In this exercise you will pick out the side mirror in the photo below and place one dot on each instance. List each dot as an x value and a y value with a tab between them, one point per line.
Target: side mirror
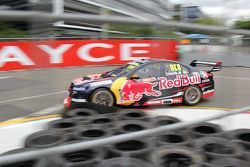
134	77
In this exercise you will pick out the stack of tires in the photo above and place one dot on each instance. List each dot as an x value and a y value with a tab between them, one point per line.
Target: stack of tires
202	145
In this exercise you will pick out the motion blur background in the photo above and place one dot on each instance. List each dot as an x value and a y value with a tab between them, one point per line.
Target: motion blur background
30	91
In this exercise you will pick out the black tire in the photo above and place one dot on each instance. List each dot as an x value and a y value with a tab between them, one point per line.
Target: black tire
136	148
102	96
91	133
173	138
80	112
86	158
124	162
192	95
164	120
100	109
128	126
133	114
205	129
217	147
176	156
26	163
232	162
45	139
242	136
66	125
106	120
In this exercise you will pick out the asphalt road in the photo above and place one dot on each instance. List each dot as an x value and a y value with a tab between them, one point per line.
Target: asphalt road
27	92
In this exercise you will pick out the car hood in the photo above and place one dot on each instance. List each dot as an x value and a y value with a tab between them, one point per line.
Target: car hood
90	79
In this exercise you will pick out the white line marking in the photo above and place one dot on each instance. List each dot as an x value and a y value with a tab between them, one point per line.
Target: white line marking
5	77
232	77
32	97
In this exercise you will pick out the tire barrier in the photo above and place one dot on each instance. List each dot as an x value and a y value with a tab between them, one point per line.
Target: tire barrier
86	158
107	120
164	120
173	138
176	156
91	132
230	162
66	125
127	126
136	148
84	112
217	147
124	162
201	145
45	139
205	129
133	115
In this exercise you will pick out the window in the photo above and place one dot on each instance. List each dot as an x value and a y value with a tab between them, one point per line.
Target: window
174	69
148	71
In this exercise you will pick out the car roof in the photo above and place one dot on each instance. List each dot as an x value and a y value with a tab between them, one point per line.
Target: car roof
145	61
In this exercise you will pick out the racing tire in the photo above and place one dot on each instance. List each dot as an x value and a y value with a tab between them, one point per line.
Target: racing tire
45	139
192	95
128	126
176	156
232	162
124	162
135	148
103	97
205	129
217	147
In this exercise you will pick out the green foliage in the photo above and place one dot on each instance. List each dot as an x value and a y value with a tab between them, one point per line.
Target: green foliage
207	21
242	24
141	31
8	30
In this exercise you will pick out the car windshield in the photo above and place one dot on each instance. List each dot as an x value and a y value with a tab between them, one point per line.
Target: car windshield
122	69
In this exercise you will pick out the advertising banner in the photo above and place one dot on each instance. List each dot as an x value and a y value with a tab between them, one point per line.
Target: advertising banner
18	55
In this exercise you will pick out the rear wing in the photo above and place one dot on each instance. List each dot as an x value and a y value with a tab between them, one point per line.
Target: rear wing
216	66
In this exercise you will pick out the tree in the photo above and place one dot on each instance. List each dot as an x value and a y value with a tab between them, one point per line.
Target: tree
242	24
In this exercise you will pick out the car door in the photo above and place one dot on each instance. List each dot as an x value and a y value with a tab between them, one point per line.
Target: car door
142	84
170	84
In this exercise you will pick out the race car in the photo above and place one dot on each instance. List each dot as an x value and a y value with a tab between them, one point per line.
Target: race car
146	82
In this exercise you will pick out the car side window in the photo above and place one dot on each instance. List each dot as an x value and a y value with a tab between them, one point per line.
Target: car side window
148	71
174	69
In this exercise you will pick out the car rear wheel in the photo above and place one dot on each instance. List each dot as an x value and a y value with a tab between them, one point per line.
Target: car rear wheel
192	95
102	96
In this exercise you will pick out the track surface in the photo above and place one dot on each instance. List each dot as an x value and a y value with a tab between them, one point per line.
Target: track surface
26	92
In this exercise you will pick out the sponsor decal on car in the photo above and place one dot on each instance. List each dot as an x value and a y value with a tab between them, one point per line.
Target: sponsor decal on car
105	82
131	91
181	80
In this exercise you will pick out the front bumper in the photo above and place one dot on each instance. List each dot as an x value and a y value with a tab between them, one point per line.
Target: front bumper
69	100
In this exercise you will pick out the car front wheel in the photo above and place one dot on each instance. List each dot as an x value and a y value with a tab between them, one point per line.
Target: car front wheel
102	96
192	95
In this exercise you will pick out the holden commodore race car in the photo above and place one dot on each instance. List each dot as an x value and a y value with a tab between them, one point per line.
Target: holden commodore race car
146	82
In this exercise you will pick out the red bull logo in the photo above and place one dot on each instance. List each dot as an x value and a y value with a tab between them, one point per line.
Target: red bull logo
181	80
135	90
